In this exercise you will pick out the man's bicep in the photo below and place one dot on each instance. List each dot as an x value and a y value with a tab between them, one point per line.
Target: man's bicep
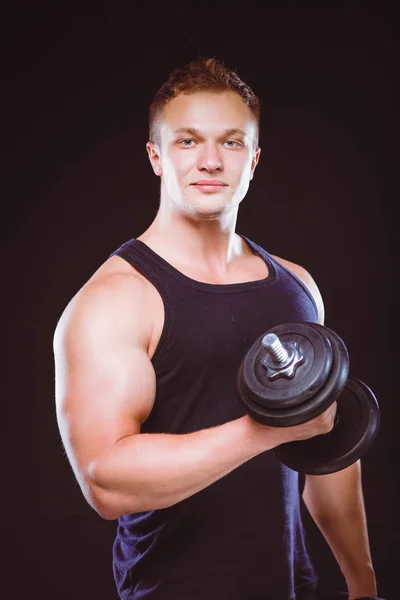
105	382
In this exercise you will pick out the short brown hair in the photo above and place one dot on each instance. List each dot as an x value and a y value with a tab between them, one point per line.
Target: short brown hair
203	74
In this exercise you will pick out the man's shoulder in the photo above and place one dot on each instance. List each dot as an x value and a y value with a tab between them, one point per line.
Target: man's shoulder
295	268
306	278
113	280
298	270
115	291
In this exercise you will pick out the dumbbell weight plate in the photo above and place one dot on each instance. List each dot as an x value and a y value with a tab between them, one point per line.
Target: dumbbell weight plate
283	392
354	433
317	382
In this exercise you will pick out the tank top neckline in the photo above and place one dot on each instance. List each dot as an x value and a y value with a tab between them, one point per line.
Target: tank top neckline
216	287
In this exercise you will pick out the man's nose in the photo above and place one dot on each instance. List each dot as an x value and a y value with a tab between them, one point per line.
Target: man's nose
210	158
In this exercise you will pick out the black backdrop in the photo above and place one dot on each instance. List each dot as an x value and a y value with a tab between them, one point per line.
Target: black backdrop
77	80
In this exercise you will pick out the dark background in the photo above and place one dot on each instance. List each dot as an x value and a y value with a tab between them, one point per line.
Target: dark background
77	80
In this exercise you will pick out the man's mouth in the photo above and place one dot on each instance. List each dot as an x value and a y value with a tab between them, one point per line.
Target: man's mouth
209	185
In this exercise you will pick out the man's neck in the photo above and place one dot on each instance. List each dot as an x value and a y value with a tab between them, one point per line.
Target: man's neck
202	244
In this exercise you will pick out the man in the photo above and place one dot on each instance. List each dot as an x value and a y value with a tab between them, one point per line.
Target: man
146	355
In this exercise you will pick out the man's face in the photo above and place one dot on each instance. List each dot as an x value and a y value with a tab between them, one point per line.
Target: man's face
207	154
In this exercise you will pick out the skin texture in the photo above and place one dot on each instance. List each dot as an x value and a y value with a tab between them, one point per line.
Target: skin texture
108	333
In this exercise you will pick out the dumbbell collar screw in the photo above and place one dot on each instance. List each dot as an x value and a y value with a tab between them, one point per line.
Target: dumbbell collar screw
281	359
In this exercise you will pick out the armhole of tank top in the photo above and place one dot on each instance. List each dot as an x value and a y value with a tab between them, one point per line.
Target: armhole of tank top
166	332
278	265
162	290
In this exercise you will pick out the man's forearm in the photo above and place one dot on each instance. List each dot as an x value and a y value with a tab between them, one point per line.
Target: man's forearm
347	539
336	504
152	471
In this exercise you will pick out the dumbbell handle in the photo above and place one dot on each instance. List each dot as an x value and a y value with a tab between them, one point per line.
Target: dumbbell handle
280	361
276	349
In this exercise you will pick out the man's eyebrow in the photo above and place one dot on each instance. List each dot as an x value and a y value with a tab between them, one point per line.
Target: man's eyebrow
194	131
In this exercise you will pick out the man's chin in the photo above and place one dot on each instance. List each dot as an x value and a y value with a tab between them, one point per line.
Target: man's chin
208	213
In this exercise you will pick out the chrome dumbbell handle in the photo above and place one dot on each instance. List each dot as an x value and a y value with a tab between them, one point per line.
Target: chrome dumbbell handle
280	360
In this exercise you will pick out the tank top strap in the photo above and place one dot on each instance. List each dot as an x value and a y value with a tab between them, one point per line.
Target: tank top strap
137	255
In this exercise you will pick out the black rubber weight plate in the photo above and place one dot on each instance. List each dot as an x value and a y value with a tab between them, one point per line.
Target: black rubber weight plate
310	376
357	426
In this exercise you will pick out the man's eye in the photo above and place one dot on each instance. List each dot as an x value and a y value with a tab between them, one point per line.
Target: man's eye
232	143
187	142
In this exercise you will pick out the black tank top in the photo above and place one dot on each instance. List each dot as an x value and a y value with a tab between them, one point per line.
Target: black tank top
242	537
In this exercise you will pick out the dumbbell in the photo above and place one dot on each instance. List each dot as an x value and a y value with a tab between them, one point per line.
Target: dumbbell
294	372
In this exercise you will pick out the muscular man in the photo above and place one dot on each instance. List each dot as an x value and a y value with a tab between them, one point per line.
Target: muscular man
146	356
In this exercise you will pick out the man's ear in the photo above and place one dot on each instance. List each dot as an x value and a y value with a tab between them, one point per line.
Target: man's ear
153	152
254	162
